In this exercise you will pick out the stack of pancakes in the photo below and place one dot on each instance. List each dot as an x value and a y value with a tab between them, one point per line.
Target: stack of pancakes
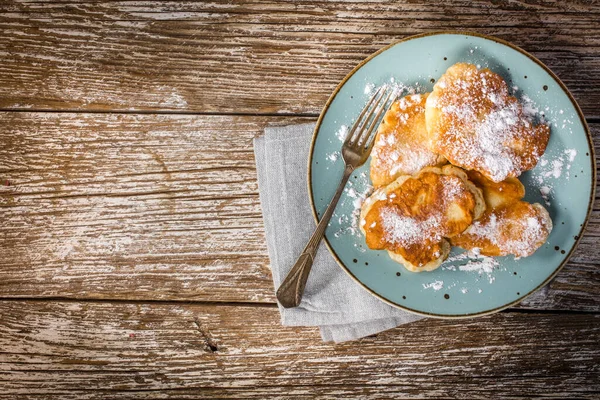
445	167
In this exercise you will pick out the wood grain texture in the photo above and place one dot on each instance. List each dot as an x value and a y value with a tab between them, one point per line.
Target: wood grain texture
255	56
161	207
132	206
90	350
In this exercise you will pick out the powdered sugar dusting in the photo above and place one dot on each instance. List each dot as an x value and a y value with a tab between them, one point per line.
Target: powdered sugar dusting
481	126
451	190
530	232
491	134
405	231
399	148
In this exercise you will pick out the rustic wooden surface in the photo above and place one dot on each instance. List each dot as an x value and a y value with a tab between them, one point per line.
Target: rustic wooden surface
133	254
196	351
257	56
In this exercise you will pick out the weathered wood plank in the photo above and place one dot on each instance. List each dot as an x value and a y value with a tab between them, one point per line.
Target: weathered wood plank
160	207
165	202
256	56
91	350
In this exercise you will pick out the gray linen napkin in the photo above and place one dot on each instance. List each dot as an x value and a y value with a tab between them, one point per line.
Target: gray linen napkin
332	300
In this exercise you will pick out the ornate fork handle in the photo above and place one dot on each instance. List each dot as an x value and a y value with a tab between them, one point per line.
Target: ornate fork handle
290	292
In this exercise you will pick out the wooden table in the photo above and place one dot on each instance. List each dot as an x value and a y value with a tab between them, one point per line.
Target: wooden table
133	252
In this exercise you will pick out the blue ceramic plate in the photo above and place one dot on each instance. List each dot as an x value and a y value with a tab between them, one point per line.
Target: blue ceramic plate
566	172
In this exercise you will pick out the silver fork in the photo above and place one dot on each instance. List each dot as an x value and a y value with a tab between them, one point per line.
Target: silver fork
355	151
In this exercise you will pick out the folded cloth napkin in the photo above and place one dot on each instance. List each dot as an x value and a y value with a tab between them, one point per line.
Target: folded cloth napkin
332	300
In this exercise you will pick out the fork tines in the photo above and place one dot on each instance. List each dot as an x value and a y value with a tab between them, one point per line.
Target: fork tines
360	136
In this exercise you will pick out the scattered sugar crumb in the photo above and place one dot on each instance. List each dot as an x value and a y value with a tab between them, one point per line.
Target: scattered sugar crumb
369	88
356	192
333	157
530	109
482	264
545	192
554	167
437	285
556	170
476	263
464	290
571	153
342	133
359	248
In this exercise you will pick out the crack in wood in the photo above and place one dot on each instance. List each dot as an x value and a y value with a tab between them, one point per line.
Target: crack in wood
209	343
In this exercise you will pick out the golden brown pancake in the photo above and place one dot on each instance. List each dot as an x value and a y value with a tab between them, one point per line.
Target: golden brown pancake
509	225
497	194
402	142
477	125
412	216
